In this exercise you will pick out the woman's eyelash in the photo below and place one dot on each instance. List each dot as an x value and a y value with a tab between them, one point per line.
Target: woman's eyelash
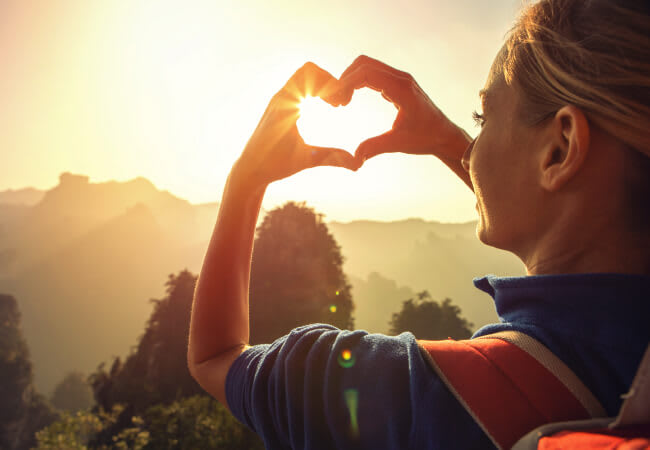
478	119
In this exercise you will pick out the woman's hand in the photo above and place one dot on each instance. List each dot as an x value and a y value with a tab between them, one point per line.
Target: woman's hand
420	127
276	150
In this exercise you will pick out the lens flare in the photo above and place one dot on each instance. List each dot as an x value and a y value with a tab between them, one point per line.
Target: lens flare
337	293
352	402
332	308
346	359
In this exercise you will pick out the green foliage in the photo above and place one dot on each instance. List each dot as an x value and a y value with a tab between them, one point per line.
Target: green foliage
197	422
76	431
73	393
428	319
71	431
296	275
23	411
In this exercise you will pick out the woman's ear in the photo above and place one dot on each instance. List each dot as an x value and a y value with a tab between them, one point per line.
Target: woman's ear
568	148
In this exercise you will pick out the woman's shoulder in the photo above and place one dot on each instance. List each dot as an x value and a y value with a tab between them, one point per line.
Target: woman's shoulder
321	375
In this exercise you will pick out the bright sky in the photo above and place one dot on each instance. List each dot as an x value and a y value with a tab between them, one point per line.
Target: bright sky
171	91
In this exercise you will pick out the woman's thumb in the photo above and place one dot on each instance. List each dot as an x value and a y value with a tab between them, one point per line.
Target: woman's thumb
384	143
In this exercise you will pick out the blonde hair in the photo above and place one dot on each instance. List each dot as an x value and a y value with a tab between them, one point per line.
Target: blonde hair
594	54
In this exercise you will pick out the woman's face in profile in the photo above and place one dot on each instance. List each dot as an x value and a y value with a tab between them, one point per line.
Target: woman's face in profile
503	169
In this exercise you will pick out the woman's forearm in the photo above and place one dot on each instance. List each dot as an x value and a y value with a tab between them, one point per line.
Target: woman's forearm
219	320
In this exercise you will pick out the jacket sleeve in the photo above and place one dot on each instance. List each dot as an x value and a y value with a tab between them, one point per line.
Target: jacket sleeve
321	387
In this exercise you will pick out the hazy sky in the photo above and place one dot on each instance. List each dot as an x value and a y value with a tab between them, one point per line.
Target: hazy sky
172	90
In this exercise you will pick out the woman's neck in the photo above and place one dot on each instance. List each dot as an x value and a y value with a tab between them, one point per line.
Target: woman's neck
589	250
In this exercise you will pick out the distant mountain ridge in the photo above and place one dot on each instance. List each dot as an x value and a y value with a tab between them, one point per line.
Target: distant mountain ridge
26	196
84	259
75	206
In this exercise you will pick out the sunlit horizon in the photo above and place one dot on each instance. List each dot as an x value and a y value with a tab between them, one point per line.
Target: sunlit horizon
118	90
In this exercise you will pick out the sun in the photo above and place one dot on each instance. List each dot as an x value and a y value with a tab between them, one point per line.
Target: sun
324	125
316	122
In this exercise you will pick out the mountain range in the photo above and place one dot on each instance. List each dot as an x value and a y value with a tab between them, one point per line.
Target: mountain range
83	259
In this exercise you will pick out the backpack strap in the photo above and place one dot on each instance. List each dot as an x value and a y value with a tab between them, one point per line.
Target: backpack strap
510	384
631	427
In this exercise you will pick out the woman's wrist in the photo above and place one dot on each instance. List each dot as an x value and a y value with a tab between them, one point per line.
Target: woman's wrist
454	149
455	144
243	181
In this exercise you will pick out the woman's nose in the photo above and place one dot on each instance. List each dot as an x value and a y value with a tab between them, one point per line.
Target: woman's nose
465	159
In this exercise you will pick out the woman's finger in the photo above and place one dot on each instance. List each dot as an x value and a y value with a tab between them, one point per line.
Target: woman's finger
367	60
393	86
364	62
327	156
309	80
389	142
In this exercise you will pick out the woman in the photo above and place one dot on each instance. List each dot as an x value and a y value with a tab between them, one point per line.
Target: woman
561	173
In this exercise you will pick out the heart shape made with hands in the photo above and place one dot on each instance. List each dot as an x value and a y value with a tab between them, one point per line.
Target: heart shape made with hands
368	114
